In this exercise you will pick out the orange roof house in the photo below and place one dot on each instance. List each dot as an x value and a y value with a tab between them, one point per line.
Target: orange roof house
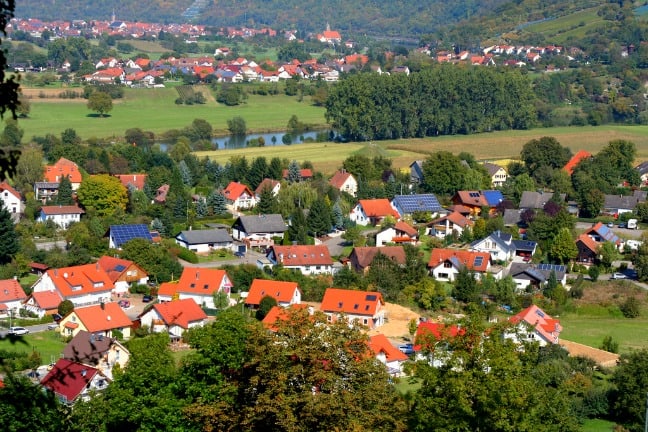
546	330
63	167
444	264
304	174
344	181
11	295
122	273
362	307
286	293
239	195
83	284
278	313
174	317
43	303
575	160
372	211
273	185
308	259
446	225
199	284
99	319
388	354
136	181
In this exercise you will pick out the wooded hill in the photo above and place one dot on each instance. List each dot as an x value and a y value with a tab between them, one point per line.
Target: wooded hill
402	18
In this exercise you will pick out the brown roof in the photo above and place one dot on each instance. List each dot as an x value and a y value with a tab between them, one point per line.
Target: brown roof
87	348
337	181
363	256
301	255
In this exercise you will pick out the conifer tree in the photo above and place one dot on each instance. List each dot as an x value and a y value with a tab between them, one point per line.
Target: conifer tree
8	237
294	172
64	196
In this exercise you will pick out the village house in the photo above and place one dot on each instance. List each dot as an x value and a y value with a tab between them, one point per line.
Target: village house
43	303
83	284
122	273
497	174
478	200
535	325
407	205
361	307
12	297
305	174
372	211
444	226
268	183
71	381
432	341
400	233
11	200
45	191
120	234
61	215
502	247
445	264
536	276
101	319
344	181
361	258
97	351
587	249
199	284
260	230
306	259
575	160
132	181
174	317
63	167
205	241
279	313
239	196
285	293
388	354
536	200
416	172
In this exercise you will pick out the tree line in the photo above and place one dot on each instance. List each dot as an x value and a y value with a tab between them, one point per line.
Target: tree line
441	100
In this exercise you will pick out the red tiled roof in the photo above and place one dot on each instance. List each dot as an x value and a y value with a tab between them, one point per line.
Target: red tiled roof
469	198
364	255
80	280
379	343
115	267
63	167
588	242
62	210
406	228
456	218
137	180
575	160
235	189
47	299
378	208
266	183
438	331
10	290
351	301
71	325
68	378
4	186
279	313
180	312
302	255
462	257
198	281
304	173
338	179
283	292
544	324
106	316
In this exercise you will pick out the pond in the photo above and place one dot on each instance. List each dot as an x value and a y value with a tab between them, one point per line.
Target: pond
271	139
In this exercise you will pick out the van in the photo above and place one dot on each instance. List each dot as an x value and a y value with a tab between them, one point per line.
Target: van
18	331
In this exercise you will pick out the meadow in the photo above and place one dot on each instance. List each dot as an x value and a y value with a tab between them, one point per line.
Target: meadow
48	344
155	110
574	25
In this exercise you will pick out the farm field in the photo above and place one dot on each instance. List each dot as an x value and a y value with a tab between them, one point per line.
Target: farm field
572	25
495	146
155	110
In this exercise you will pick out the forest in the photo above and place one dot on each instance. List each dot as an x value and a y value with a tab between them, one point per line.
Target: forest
439	101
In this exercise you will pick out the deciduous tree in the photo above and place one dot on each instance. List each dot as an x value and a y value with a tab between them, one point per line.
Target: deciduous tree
100	102
104	193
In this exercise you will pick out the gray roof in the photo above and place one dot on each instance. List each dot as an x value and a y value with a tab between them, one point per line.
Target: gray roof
642	168
205	236
512	217
491	168
620	202
539	272
261	223
46	185
536	200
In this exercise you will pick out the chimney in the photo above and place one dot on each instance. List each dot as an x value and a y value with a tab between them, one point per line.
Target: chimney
83	372
103	306
197	275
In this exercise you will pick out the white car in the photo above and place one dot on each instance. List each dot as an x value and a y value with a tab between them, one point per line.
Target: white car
618	276
52	326
18	331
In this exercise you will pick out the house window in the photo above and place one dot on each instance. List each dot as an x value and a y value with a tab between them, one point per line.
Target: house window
447	265
365	321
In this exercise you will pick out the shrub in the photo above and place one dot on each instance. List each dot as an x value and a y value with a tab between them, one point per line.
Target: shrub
187	255
630	308
610	345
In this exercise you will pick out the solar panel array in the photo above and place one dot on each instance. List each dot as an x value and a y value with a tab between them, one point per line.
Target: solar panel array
555	267
479	261
421	202
123	233
120	267
493	197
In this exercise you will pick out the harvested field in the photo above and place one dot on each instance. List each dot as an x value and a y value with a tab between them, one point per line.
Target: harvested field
602	358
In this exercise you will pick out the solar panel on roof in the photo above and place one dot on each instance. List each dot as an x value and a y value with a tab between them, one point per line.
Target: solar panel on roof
540	313
479	261
370	297
123	233
412	203
120	267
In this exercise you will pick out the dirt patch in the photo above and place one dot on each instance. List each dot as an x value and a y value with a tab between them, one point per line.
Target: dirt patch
398	319
606	293
602	358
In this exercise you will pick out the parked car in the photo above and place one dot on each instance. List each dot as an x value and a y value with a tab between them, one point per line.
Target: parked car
18	331
611	224
147	298
56	317
406	349
124	303
623	225
52	326
618	276
239	254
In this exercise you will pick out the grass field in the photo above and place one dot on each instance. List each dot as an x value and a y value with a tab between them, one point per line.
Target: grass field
598	425
47	343
155	110
573	25
495	146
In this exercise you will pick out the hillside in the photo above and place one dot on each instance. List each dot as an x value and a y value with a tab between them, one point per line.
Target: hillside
379	18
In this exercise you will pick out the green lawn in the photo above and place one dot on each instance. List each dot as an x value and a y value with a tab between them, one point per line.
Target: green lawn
573	25
48	343
590	330
598	425
155	110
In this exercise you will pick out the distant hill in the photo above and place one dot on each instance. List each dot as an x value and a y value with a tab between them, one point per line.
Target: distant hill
351	17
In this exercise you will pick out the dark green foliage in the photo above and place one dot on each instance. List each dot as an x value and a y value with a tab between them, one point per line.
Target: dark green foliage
628	400
466	288
440	100
319	218
631	308
155	259
298	229
188	255
544	155
64	196
65	307
609	345
237	126
231	95
216	203
266	303
8	237
268	203
594	272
